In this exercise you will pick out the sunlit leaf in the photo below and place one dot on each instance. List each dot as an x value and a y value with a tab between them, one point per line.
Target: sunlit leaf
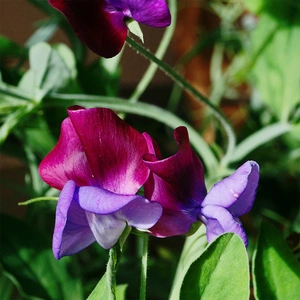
221	272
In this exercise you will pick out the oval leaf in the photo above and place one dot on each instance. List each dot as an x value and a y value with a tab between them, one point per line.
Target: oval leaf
221	272
276	271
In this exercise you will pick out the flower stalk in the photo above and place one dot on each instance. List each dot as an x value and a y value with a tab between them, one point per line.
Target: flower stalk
143	284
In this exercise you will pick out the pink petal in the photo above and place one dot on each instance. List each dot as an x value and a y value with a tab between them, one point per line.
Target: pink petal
67	161
102	30
72	232
113	149
236	192
178	181
150	12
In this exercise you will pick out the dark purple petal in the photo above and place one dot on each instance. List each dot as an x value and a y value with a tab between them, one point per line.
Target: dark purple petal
139	213
150	12
72	232
103	30
236	192
178	181
172	223
218	221
67	161
113	149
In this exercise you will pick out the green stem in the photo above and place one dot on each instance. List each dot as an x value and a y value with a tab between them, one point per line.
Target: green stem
143	286
111	272
38	199
160	52
191	90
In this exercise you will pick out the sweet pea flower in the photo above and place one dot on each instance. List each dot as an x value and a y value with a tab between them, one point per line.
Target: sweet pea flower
97	164
177	183
101	24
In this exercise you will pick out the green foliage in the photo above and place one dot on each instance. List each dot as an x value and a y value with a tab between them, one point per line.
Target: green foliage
27	257
221	272
275	52
193	247
276	272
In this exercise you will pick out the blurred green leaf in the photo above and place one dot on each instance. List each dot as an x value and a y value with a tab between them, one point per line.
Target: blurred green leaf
276	272
26	255
275	53
50	69
221	272
259	138
9	48
45	31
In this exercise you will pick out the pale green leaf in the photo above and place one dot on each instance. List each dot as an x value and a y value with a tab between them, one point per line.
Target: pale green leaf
135	28
258	139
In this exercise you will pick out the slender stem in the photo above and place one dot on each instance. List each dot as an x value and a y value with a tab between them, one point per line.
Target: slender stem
191	90
143	286
160	52
111	272
38	199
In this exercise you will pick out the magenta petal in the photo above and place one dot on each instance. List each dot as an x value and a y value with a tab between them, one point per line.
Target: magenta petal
150	12
219	220
101	29
178	181
67	161
236	192
172	223
114	149
139	213
72	232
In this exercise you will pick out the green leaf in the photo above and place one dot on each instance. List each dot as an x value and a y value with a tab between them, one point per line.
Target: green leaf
135	28
46	30
221	272
121	291
193	247
51	69
275	53
26	255
258	139
276	272
9	48
101	291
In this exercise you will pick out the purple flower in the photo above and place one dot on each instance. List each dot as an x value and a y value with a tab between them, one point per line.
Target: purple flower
177	183
97	164
100	24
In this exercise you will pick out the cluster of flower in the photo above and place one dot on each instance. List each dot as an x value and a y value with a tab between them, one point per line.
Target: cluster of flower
100	163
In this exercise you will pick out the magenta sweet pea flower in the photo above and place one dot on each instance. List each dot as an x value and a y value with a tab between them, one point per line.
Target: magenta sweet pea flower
100	24
177	183
97	164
